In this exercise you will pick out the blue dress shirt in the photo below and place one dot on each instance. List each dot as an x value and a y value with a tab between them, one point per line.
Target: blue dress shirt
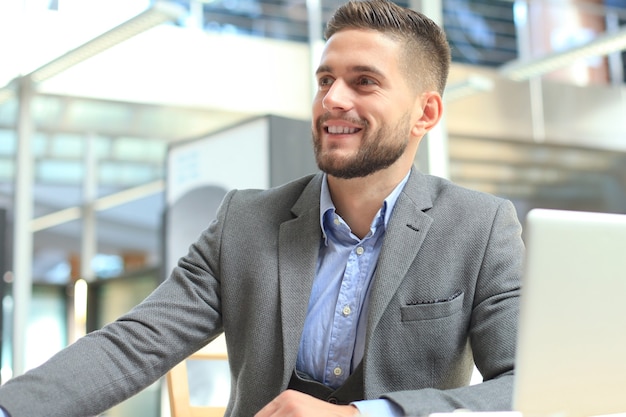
333	338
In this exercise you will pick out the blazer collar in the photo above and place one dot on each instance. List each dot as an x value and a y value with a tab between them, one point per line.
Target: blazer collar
404	235
298	246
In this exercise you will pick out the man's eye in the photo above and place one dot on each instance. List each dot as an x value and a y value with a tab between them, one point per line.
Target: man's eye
364	81
324	81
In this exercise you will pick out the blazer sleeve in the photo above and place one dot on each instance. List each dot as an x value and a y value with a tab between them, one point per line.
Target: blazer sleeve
110	365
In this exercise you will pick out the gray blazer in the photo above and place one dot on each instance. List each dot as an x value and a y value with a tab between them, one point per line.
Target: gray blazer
445	292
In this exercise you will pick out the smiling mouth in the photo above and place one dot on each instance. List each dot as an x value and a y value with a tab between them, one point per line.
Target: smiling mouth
341	130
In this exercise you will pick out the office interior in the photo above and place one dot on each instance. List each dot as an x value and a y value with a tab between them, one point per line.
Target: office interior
101	101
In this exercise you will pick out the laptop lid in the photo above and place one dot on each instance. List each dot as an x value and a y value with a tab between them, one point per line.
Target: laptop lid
571	356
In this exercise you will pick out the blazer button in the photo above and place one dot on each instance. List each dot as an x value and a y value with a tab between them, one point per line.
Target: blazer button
332	400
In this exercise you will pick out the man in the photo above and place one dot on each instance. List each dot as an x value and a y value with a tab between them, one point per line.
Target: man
369	288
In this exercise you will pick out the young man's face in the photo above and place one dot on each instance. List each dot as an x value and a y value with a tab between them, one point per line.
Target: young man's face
364	108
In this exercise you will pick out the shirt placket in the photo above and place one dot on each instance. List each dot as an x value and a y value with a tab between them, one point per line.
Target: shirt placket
346	317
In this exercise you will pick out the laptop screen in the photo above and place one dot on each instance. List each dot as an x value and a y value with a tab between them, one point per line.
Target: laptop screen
571	356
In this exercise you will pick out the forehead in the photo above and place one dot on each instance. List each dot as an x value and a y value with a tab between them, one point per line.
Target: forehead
352	47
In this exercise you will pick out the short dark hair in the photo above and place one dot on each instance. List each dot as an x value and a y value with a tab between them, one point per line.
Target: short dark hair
425	46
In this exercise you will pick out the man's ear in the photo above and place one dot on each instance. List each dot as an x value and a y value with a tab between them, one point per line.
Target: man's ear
431	106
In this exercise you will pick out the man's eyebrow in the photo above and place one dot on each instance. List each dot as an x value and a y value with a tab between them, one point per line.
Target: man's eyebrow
355	68
366	68
323	68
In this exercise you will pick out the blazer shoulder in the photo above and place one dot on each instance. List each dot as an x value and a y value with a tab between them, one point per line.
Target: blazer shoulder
444	190
279	199
462	205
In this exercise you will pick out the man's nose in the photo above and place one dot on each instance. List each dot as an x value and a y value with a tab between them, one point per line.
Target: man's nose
338	97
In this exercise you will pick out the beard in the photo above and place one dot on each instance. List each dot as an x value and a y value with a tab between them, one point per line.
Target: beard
378	150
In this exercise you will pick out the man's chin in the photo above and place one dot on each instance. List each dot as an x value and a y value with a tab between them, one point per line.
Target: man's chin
348	173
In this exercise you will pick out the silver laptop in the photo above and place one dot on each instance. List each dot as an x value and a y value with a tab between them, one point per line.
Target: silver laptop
571	358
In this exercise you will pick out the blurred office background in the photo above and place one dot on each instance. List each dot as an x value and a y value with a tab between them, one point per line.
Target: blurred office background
104	102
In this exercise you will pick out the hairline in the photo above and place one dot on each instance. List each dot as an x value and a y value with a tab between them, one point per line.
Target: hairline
420	52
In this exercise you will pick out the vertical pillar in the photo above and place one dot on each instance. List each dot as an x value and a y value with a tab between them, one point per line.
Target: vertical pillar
196	14
535	84
316	39
433	156
3	270
615	60
90	194
88	238
23	237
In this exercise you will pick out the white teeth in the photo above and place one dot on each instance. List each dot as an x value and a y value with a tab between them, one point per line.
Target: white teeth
342	130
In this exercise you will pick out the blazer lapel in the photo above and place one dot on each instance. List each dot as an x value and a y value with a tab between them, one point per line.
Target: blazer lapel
405	233
298	247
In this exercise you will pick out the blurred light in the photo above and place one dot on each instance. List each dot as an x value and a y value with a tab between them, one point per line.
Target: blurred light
159	13
103	203
602	45
6	94
470	86
6	373
520	13
107	266
80	308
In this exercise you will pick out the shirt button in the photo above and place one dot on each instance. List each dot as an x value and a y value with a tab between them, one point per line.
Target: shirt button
337	371
346	311
360	250
336	221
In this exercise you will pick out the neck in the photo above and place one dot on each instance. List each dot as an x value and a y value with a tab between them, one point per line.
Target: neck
357	200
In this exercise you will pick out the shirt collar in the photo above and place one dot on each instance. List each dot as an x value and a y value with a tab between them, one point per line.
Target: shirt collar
326	203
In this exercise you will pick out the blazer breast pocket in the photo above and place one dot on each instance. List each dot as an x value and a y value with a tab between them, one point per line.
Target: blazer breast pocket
432	309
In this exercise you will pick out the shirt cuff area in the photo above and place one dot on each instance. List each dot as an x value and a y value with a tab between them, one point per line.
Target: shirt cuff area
378	408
